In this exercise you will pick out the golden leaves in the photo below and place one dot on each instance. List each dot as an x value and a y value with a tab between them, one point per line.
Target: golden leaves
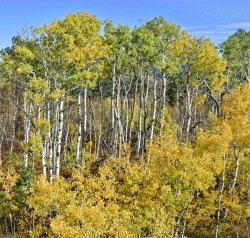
236	109
200	61
57	93
24	52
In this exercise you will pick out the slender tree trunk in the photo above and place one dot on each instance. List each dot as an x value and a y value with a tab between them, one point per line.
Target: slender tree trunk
26	130
79	136
237	163
95	126
45	142
49	146
100	118
188	110
66	136
220	198
145	109
139	133
44	166
59	136
184	228
177	111
126	118
55	132
125	106
11	222
120	135
179	221
112	111
133	113
153	119
50	158
13	129
90	126
163	102
84	124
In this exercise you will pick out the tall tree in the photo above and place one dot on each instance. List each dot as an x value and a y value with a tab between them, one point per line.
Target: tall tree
116	42
236	51
200	65
76	40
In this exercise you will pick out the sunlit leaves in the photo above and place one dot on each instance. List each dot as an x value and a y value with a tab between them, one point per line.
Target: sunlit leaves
236	108
200	60
76	42
237	53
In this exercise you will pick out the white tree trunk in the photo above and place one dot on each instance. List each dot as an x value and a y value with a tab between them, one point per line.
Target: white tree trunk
220	197
179	221
188	111
49	147
79	136
153	119
100	124
163	102
112	111
54	135
59	136
15	105
84	124
43	162
154	112
133	113
50	157
145	108
26	130
139	136
237	163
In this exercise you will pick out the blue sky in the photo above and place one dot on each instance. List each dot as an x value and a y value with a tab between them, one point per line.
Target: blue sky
216	19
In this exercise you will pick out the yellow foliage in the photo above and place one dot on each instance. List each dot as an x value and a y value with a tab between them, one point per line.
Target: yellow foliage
236	109
202	61
57	93
24	52
42	125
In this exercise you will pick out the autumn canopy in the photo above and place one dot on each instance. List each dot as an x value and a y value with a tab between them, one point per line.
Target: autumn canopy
108	131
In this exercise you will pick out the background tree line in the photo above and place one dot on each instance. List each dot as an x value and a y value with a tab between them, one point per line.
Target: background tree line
108	131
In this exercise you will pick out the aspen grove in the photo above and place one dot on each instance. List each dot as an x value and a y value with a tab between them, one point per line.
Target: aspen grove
108	131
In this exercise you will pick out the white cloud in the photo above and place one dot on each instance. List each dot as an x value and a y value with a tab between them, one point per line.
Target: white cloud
215	36
219	33
211	32
193	27
238	25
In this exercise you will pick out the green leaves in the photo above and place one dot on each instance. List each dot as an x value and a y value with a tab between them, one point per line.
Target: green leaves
236	51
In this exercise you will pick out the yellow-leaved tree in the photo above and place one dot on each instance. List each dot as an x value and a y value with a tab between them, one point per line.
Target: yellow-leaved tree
235	207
